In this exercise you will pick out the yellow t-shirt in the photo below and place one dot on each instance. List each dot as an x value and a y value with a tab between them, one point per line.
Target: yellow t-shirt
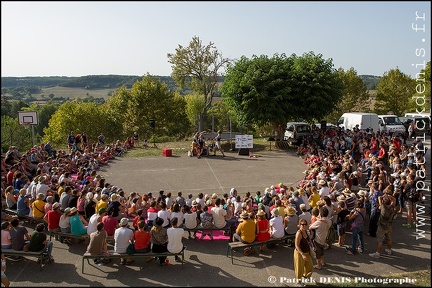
246	229
315	198
101	204
60	190
38	208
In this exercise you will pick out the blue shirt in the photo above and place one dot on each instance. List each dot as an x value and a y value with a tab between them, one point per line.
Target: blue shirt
374	200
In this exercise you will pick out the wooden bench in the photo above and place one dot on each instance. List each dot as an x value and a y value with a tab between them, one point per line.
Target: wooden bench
24	217
196	229
110	239
40	255
68	235
240	245
114	255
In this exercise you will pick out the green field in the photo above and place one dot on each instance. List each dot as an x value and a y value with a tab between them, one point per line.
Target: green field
73	93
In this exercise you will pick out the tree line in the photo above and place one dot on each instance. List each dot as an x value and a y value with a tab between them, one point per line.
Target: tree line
258	95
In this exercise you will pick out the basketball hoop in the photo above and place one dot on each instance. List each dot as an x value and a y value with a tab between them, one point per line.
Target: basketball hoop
26	124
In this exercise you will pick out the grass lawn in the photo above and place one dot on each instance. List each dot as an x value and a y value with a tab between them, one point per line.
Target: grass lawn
182	147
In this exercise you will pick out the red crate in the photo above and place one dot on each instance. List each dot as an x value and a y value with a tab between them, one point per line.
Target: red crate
167	152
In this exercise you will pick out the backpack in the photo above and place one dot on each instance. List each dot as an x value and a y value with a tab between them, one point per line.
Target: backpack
413	195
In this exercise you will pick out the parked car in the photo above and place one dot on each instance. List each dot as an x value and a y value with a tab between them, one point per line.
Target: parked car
296	131
422	124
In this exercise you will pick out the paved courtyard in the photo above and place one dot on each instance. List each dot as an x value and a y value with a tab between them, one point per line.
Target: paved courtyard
207	265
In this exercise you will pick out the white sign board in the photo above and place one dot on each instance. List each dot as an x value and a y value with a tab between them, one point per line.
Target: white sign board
243	141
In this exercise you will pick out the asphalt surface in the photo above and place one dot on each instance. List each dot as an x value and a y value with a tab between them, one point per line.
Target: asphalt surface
206	261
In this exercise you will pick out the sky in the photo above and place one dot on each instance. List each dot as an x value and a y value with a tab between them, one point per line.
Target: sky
133	38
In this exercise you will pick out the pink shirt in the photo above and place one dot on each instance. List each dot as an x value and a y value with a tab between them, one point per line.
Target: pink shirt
6	238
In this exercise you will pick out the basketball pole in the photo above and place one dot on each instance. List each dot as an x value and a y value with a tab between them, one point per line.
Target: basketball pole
33	137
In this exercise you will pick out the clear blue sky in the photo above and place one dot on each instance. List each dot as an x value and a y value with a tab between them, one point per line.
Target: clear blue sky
133	38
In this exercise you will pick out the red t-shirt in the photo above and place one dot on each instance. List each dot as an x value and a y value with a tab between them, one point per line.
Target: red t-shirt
263	225
110	224
53	219
142	239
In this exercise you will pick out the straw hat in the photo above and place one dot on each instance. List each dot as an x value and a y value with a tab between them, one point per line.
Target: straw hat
341	198
261	213
244	215
290	211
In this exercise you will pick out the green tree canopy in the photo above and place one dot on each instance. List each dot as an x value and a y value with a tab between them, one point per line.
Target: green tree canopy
80	117
355	96
276	90
394	92
149	99
197	66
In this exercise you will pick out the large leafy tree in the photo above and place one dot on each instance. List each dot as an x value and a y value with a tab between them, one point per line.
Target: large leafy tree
149	99
14	134
194	106
394	91
355	96
80	117
276	90
198	66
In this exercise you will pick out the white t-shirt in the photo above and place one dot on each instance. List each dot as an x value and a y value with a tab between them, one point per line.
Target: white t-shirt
324	191
277	225
42	188
92	223
175	236
219	216
64	222
201	201
180	217
165	215
122	236
190	220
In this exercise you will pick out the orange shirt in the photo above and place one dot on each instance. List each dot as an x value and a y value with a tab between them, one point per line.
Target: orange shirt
142	239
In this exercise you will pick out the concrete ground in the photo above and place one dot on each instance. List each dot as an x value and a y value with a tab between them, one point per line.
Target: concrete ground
208	265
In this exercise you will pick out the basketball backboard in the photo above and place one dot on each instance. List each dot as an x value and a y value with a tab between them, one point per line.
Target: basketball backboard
27	117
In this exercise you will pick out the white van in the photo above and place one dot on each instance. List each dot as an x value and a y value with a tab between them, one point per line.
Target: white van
296	131
364	120
391	124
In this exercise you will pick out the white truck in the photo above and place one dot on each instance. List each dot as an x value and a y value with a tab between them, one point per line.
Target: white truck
391	124
364	120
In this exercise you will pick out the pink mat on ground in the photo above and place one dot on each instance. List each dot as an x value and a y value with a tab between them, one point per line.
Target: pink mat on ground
217	235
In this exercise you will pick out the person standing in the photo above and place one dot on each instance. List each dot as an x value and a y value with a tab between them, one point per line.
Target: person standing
321	227
387	204
303	265
373	222
413	195
218	145
358	216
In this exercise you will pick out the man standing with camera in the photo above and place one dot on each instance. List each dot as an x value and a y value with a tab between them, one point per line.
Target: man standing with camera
387	212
